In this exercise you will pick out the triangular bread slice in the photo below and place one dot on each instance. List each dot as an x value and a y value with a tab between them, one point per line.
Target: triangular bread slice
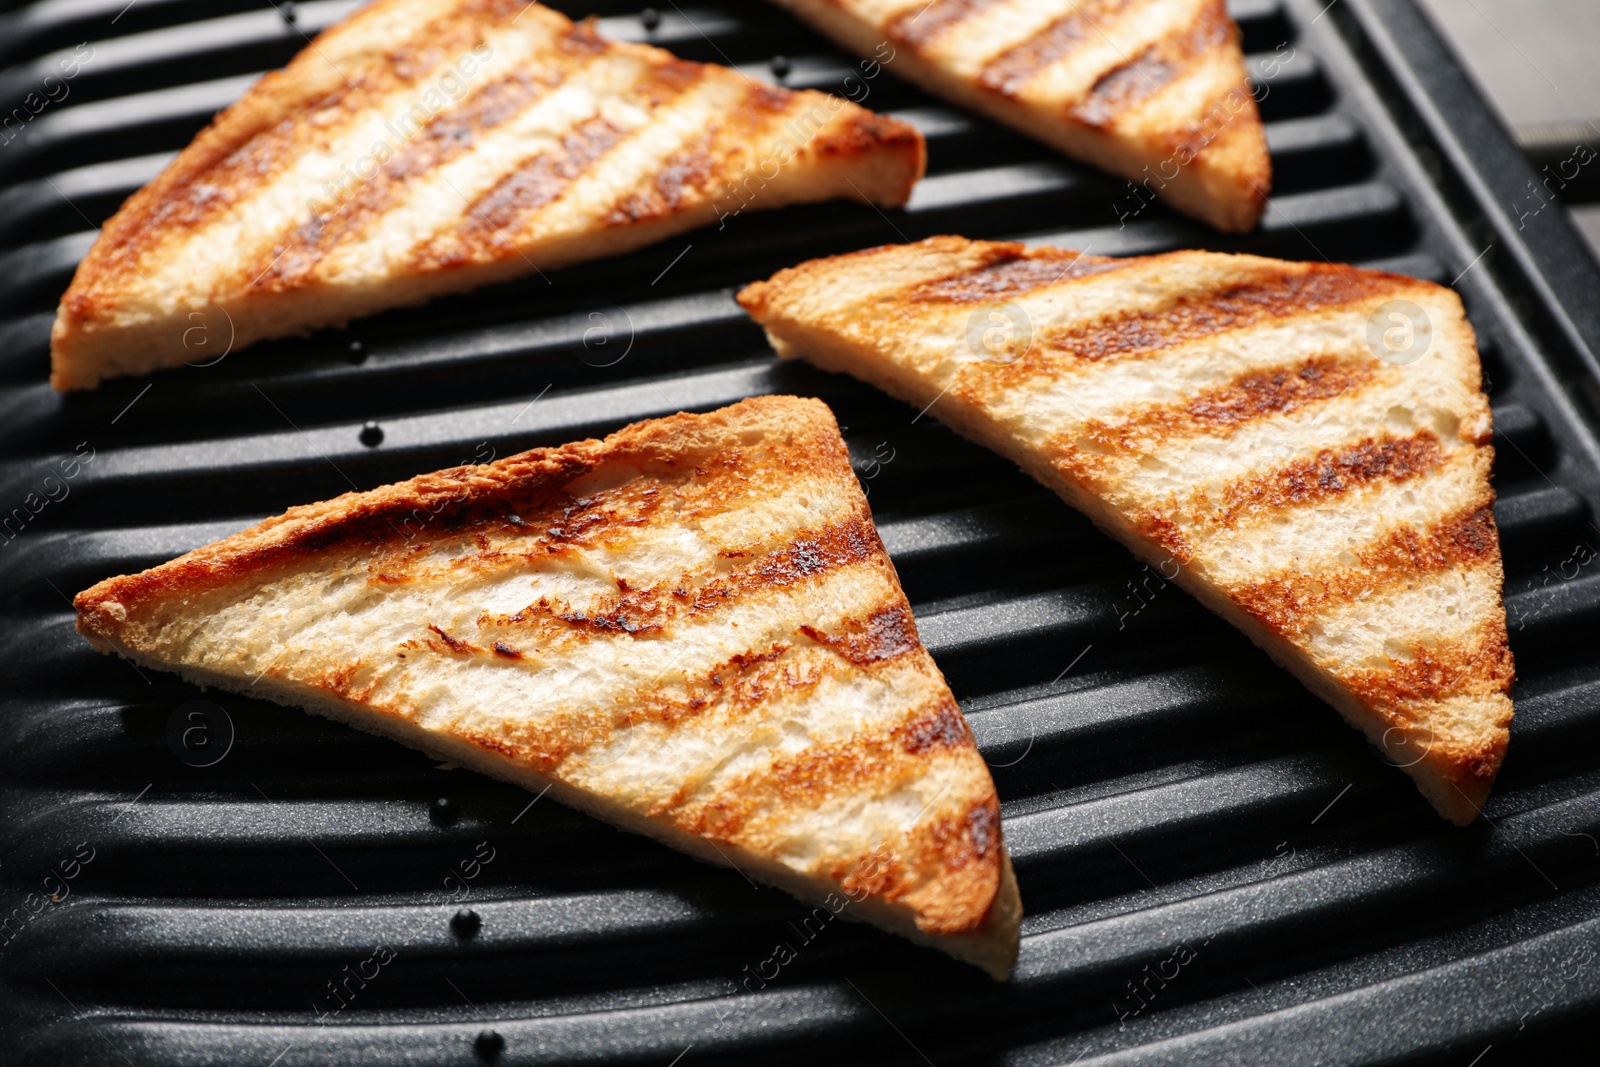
1304	447
689	629
429	146
1153	90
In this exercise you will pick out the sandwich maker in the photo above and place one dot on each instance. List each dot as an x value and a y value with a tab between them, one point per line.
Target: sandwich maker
1215	868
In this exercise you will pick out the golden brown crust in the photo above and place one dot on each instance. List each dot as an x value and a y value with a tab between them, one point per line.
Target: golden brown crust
1157	93
1246	426
636	621
256	137
455	142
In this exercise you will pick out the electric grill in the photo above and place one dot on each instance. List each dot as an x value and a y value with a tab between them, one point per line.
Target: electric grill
1214	867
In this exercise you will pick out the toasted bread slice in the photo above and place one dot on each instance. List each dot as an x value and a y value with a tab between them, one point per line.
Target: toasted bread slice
430	146
689	629
1302	446
1153	90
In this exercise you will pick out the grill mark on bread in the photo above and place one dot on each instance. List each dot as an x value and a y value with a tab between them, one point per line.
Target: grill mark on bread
523	495
1249	398
854	139
970	836
1476	665
687	176
454	645
184	200
1125	85
740	686
1260	544
878	765
1136	80
1010	271
680	181
1288	601
448	135
607	622
810	555
207	190
372	525
1160	529
735	689
1013	69
852	541
584	39
886	634
922	868
487	221
645	612
743	681
496	216
541	179
546	520
940	726
1330	473
879	762
1273	294
925	22
1260	394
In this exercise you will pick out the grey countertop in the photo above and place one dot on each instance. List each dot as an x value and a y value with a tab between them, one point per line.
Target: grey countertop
1537	62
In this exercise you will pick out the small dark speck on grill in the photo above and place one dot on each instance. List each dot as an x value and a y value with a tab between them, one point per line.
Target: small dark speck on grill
442	811
466	923
489	1045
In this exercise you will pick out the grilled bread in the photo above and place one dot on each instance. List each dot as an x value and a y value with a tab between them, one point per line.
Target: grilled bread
429	146
689	629
1153	90
1302	446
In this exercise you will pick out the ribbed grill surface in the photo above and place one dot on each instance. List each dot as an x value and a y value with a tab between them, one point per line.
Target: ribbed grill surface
1212	864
